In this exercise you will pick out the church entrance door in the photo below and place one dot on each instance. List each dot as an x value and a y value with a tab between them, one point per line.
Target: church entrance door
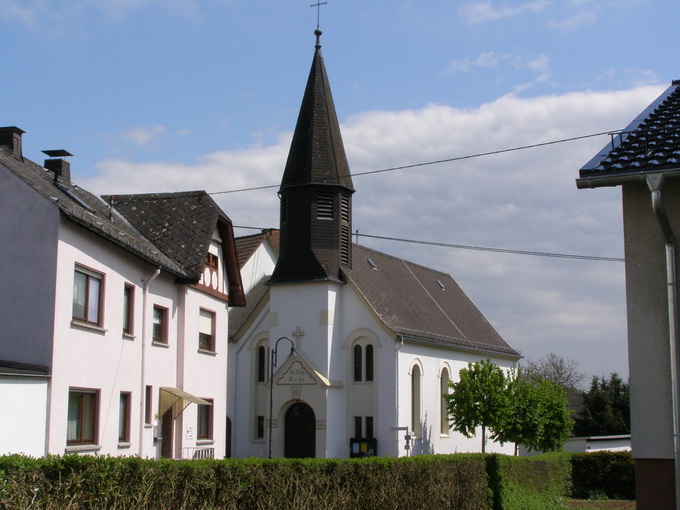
300	432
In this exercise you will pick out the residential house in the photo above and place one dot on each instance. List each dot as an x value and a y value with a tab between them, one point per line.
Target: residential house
123	303
644	159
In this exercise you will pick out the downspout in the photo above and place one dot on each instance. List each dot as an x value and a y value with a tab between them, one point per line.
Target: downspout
142	388
655	183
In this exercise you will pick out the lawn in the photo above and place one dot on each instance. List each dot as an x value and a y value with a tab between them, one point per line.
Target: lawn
600	504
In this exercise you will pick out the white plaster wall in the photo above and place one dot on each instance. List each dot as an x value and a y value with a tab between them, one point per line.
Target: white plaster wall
431	359
110	361
28	229
648	338
22	428
261	263
202	373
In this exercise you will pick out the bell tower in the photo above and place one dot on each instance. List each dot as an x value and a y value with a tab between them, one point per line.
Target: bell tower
316	190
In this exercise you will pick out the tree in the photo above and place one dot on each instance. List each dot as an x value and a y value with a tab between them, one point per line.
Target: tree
479	398
558	369
513	407
537	416
606	408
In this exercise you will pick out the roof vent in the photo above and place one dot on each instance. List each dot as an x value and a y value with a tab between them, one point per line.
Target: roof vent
371	263
10	137
441	285
58	165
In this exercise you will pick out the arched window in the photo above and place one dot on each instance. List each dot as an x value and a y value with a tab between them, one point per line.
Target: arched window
369	363
358	364
444	390
415	400
261	363
362	363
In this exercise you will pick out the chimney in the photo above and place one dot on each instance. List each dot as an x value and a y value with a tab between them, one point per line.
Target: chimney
10	137
58	165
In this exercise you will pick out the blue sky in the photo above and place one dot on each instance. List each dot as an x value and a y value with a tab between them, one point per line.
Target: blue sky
169	95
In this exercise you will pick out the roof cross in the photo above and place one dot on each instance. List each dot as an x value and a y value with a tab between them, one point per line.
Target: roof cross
318	11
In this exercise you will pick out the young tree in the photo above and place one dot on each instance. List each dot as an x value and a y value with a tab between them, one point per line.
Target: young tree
479	398
558	369
513	407
606	408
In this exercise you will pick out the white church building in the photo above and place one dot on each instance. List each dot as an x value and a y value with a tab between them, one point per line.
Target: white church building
343	351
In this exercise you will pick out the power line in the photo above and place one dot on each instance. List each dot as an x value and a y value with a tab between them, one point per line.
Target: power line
439	161
495	250
476	248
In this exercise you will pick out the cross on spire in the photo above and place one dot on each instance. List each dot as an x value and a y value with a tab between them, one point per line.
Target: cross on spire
318	11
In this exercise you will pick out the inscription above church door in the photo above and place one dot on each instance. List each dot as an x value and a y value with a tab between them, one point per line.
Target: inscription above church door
300	432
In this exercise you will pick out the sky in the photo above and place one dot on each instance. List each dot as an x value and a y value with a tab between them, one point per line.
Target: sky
176	95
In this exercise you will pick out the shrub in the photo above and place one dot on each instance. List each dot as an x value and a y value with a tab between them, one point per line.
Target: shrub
527	483
611	474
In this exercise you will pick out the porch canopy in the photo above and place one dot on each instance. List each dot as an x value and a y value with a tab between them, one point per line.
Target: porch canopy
178	400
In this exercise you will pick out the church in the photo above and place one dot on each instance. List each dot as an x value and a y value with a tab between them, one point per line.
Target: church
343	351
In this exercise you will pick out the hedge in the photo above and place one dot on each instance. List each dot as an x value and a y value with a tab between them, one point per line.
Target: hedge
600	475
85	482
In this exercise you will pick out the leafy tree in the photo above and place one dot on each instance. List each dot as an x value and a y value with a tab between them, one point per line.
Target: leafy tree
479	398
537	416
606	408
558	369
514	408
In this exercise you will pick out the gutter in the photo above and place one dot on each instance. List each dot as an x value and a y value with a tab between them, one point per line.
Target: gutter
655	183
599	181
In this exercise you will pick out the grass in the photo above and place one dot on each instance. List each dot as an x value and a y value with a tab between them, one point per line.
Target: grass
607	504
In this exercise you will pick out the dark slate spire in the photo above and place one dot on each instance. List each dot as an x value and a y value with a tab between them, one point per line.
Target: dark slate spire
316	189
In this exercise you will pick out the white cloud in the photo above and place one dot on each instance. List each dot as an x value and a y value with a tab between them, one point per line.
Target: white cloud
524	200
141	136
480	12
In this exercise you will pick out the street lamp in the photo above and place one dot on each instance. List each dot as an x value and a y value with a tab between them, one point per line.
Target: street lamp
271	383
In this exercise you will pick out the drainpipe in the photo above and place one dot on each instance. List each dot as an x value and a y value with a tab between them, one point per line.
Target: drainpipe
142	388
396	373
655	183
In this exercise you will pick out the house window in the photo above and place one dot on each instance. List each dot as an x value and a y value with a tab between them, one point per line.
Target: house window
204	426
124	417
87	296
415	400
206	330
148	412
160	324
128	309
363	363
82	417
444	415
357	427
212	261
261	363
259	430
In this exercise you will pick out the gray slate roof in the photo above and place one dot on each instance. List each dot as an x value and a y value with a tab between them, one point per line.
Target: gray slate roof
89	211
170	230
651	143
181	224
421	304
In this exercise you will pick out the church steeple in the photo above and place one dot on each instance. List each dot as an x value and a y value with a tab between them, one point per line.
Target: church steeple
316	190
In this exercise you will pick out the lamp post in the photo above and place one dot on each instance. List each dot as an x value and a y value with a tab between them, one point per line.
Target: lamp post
271	383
